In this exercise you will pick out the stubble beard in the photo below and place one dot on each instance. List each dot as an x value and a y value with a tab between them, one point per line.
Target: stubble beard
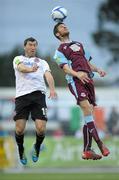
65	35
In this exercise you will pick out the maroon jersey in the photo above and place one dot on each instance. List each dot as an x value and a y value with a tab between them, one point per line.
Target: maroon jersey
74	52
77	58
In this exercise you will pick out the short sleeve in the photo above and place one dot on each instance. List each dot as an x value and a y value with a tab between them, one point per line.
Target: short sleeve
60	59
45	66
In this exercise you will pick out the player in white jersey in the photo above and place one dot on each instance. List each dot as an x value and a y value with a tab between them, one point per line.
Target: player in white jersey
30	72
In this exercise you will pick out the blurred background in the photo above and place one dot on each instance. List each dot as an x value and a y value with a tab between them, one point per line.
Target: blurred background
96	25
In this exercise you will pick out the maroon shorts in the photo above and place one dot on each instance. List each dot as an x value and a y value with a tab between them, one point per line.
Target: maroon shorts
83	91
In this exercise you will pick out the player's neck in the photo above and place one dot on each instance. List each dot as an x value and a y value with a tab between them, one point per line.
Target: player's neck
29	56
65	40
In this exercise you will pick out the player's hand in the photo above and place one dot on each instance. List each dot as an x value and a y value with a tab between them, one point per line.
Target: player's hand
101	72
53	94
35	67
83	77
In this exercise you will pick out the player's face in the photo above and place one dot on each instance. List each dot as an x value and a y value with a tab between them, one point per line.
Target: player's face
63	30
30	48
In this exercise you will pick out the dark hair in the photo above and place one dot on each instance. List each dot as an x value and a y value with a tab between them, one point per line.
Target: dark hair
55	30
30	39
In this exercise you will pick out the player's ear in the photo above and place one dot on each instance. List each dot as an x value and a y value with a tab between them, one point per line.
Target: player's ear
57	34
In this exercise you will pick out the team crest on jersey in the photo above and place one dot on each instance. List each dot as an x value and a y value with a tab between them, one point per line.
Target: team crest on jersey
65	47
75	47
36	60
83	94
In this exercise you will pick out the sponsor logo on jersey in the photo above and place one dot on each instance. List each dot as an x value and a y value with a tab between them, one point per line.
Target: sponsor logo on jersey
65	47
75	47
83	94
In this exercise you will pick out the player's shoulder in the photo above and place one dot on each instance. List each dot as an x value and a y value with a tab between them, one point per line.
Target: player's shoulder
64	46
43	61
18	57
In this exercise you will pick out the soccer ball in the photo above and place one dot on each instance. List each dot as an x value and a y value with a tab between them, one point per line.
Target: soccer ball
59	14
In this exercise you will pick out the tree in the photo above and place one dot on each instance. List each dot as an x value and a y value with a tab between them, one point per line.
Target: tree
107	35
6	68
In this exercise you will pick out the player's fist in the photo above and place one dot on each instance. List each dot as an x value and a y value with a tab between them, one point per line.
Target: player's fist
34	67
101	72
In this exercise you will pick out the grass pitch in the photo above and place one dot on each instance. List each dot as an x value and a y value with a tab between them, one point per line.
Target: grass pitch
89	176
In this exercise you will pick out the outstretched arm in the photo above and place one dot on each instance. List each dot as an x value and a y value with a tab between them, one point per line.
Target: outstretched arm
51	84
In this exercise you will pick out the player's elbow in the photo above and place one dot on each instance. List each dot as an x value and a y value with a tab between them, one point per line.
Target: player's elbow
65	69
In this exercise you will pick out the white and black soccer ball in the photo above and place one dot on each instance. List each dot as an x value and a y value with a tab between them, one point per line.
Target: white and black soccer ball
59	13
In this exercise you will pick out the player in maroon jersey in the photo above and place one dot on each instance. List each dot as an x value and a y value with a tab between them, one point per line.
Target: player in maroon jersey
75	61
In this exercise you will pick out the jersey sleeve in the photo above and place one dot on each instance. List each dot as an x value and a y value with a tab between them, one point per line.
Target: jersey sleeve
17	60
45	66
60	59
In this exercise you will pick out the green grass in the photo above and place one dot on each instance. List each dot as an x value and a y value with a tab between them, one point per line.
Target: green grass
81	176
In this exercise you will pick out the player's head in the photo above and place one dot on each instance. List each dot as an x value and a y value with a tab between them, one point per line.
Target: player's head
30	46
60	31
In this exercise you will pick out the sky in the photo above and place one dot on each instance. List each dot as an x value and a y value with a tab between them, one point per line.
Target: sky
24	18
